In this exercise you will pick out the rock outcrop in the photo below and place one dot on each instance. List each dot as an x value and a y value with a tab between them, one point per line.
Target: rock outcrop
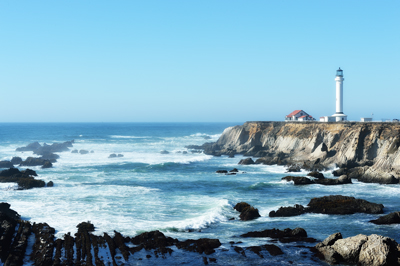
247	212
315	145
391	218
334	204
373	250
302	180
25	179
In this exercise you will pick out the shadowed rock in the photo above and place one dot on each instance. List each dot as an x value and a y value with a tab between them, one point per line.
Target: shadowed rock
285	236
288	211
338	204
298	180
335	204
247	212
24	179
31	161
221	171
246	161
16	160
391	218
316	174
6	164
202	245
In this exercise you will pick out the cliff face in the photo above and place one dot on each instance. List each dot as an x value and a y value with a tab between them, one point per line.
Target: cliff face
348	144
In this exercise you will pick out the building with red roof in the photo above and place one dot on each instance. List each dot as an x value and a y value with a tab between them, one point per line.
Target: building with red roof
299	115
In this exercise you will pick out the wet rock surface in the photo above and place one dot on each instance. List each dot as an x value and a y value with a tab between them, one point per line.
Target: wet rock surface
32	161
285	236
246	161
302	180
338	204
25	179
391	218
86	248
334	204
247	212
288	211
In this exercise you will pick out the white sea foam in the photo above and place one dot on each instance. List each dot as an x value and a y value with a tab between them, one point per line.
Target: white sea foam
214	214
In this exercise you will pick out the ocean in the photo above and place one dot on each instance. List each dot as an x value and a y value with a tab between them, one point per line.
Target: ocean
178	193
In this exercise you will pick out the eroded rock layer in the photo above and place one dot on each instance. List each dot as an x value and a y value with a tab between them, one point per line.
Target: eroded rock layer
316	145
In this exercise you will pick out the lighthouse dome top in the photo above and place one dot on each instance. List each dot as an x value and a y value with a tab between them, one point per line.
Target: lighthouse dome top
339	72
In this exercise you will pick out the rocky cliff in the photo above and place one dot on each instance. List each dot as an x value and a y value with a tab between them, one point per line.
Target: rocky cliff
370	149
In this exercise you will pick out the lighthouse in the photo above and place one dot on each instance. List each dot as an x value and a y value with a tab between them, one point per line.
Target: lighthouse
339	115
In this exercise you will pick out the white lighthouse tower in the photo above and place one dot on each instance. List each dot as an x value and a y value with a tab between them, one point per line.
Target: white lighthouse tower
339	115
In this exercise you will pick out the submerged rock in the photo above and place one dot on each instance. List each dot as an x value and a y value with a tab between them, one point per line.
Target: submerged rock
164	152
83	152
221	171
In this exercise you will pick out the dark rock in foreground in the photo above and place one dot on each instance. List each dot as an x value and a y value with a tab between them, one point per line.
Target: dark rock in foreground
5	210
221	171
391	218
247	212
361	250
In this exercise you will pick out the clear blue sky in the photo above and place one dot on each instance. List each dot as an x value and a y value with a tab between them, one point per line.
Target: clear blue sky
182	61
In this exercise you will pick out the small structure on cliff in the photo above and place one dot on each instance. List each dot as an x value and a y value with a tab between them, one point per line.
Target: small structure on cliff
299	115
339	115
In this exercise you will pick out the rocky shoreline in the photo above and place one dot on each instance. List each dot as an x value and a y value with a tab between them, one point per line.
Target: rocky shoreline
24	243
368	152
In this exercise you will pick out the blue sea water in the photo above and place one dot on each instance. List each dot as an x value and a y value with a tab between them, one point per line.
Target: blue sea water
179	194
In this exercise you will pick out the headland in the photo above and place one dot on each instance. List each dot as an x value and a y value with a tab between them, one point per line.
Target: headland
370	149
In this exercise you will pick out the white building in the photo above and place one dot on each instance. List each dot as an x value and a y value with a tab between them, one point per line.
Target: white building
299	115
366	119
339	115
